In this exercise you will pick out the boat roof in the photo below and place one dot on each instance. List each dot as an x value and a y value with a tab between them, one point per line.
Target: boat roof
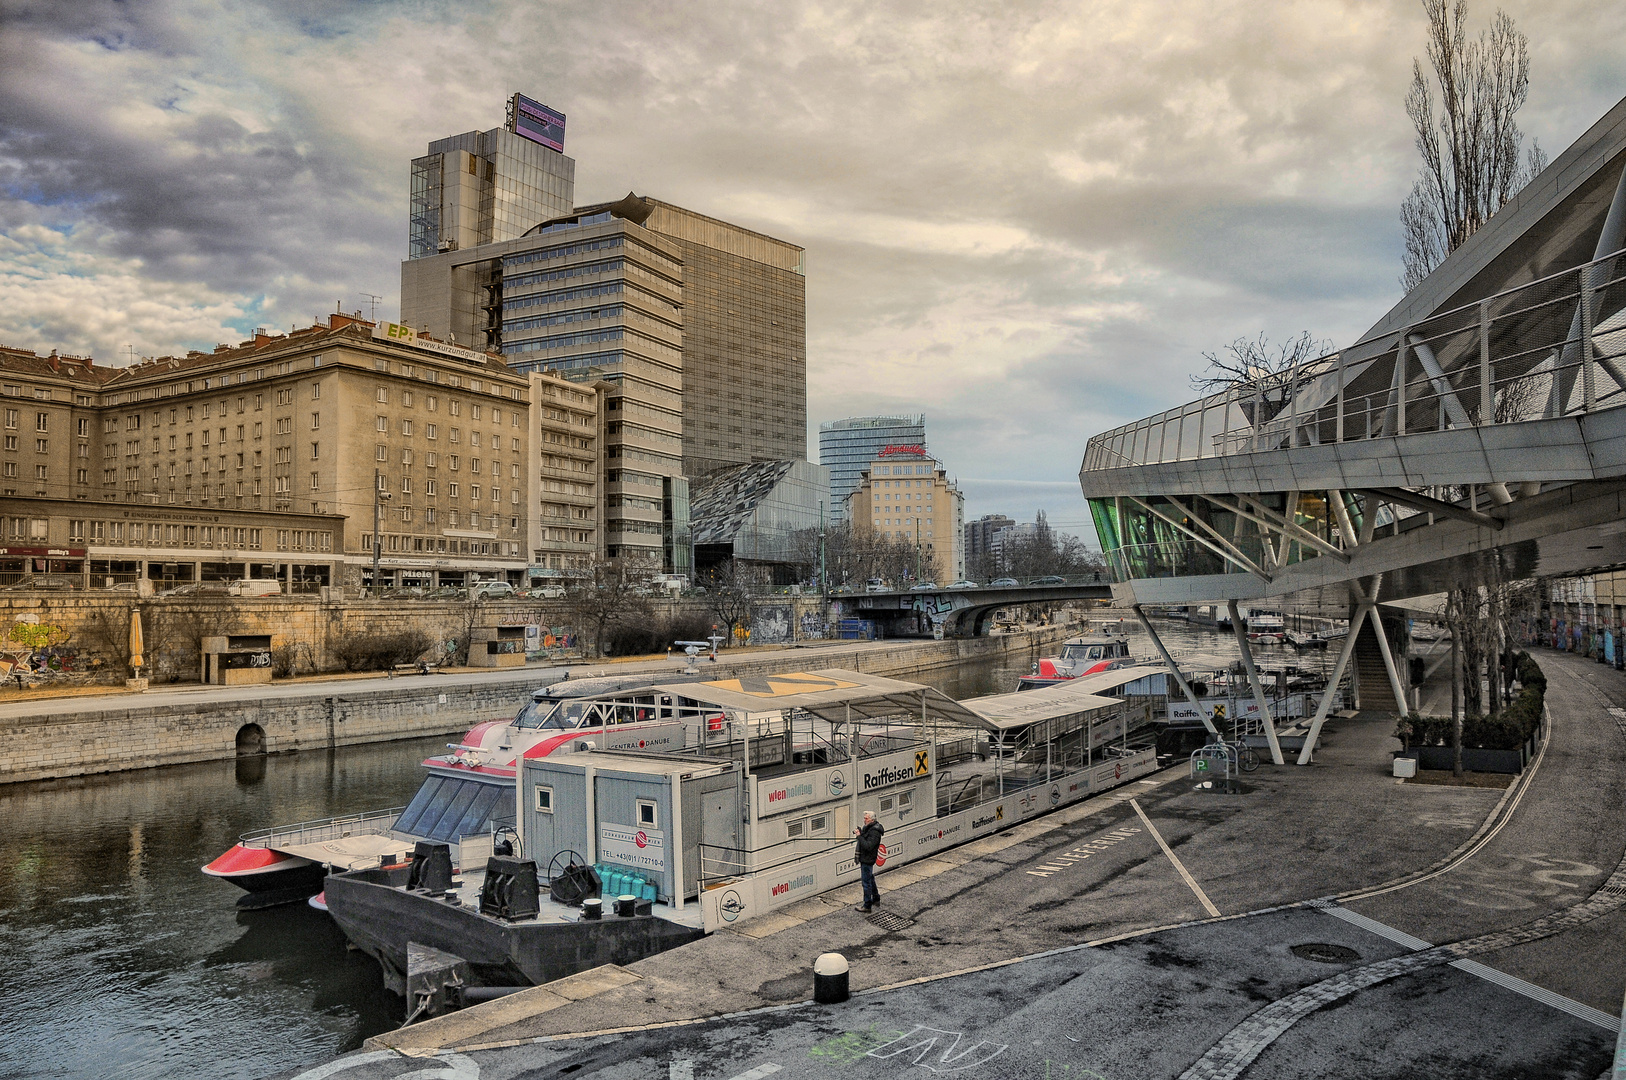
1111	680
831	694
1064	700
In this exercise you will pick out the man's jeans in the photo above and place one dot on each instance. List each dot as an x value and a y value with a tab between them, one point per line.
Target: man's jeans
872	895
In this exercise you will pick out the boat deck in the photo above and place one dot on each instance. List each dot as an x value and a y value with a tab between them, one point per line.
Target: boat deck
467	885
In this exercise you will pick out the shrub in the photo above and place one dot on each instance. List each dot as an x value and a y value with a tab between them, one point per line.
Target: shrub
1507	730
643	638
380	651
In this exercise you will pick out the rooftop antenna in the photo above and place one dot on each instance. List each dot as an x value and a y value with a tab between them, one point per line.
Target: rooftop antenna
374	301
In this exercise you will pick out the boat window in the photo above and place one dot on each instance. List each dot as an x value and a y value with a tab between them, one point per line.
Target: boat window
477	816
533	713
1095	653
447	811
431	789
565	715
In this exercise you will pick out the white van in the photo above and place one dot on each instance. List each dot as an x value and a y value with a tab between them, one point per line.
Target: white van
255	587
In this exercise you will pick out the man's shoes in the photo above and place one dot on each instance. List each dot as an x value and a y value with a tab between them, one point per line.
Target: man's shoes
876	901
862	908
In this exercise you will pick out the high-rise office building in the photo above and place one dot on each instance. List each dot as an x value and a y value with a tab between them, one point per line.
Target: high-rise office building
698	327
846	448
482	186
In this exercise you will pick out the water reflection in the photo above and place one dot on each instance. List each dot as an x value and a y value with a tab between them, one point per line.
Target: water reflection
108	931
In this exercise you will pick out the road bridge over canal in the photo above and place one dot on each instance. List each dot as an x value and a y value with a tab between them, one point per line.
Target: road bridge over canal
962	612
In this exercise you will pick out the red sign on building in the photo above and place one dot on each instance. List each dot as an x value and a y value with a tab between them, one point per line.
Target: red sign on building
894	451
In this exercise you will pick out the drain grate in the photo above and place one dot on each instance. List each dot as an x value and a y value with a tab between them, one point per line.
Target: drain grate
888	920
1613	890
1326	954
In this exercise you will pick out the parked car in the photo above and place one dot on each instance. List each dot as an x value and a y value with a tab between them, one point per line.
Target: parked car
1003	583
547	592
200	588
125	587
1049	579
48	581
491	590
875	584
964	585
255	587
924	586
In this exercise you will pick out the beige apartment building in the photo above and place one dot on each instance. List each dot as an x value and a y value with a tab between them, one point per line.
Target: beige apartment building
905	494
270	458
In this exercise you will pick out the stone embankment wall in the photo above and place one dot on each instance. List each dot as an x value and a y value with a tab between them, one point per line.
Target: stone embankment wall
61	743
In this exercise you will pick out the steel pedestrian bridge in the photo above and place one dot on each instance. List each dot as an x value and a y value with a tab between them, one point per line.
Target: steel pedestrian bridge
1476	434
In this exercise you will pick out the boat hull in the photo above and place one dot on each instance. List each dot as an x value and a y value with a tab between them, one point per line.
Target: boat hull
381	918
269	877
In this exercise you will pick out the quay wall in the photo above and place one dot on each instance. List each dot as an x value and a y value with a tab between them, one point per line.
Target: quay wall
59	742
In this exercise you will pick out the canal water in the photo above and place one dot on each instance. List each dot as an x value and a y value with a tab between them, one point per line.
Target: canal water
121	960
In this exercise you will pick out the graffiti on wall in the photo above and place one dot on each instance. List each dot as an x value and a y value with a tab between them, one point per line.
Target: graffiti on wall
771	625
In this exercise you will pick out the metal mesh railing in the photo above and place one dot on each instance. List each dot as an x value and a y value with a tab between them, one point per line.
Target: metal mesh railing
1532	352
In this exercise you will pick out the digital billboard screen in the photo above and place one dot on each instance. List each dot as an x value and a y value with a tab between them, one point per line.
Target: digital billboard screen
537	122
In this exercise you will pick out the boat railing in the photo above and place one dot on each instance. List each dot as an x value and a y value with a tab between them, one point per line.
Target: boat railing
720	863
315	832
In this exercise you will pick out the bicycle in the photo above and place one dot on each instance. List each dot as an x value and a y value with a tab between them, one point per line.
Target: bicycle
1246	759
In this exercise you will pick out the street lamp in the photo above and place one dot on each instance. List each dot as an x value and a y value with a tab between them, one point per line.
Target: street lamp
379	495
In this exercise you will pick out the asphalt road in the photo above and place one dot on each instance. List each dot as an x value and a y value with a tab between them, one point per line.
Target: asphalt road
1538	900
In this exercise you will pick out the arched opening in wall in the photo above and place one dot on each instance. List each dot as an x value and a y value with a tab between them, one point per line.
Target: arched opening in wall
250	740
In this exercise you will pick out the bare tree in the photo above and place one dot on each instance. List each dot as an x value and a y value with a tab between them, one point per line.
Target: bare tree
1259	361
611	591
1472	149
732	590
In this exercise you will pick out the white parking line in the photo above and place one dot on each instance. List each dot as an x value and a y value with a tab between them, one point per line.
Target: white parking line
1208	905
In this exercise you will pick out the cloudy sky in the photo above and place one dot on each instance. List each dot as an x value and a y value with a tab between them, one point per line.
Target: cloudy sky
1026	220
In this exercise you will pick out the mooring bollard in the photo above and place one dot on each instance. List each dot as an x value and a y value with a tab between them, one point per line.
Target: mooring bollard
830	979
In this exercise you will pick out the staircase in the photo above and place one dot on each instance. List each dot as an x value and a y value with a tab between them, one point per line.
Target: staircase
1372	688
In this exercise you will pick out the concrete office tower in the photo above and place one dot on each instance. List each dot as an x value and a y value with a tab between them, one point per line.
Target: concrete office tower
591	296
848	446
744	341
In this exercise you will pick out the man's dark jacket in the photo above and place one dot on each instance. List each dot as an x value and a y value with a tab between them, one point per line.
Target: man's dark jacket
869	843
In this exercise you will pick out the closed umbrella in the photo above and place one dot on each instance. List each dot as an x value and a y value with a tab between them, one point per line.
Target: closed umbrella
137	646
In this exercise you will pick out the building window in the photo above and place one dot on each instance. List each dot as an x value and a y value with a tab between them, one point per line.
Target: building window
41	421
316	421
429	431
382	423
429	489
316	450
406	427
316	481
380	453
383	394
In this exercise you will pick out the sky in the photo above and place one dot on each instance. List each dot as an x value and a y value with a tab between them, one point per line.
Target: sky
1027	221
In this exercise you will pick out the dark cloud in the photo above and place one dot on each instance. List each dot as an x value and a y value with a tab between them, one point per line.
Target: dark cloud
1027	221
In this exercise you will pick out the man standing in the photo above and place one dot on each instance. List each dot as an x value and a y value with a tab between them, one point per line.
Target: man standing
865	852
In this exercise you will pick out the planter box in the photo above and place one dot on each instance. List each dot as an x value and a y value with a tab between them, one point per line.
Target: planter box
1473	760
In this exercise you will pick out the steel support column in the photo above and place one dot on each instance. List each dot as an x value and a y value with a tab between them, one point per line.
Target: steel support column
1253	680
1185	687
1322	709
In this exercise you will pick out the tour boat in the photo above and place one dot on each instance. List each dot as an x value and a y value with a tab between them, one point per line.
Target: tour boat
1079	656
468	792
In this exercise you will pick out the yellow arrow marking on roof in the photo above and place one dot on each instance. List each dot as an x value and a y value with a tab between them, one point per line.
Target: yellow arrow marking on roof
771	686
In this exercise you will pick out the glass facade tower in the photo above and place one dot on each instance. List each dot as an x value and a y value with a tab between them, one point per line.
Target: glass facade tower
846	448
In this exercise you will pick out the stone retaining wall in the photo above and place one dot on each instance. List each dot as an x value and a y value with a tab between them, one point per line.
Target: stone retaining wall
61	743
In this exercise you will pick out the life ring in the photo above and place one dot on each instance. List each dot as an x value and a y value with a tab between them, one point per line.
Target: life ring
1118	771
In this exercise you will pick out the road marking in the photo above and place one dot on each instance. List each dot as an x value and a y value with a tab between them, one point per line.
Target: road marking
1057	863
1208	905
759	1072
680	1069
